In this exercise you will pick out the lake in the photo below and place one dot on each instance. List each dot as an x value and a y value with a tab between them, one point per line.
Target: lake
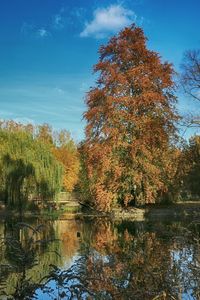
98	258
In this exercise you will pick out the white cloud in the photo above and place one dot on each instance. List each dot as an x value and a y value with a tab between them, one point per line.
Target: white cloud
108	20
42	32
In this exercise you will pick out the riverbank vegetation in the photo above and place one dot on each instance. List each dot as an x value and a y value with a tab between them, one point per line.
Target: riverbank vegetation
133	153
34	163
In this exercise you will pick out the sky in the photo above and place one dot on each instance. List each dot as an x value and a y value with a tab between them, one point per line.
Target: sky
48	49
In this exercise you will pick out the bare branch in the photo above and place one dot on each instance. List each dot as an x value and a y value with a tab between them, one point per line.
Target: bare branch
190	78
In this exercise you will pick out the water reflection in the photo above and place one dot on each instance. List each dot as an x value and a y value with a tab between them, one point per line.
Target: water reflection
137	262
100	259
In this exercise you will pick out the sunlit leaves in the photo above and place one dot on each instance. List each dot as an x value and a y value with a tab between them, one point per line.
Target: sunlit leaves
130	122
35	161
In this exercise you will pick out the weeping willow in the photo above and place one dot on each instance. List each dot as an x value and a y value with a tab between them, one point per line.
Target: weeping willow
27	168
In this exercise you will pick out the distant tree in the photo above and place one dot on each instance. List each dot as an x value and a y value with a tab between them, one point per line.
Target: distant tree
190	77
191	166
190	81
66	153
45	133
130	122
83	185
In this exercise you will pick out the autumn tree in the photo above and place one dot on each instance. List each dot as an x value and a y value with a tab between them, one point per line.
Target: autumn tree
66	153
130	122
45	133
65	150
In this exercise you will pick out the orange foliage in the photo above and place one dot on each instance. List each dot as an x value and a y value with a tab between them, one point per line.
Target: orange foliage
130	122
121	258
66	152
70	161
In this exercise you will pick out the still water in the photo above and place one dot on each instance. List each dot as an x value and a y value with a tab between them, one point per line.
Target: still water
99	259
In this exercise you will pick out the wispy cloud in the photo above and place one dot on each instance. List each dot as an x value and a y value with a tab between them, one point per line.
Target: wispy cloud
31	30
58	22
43	33
78	14
46	98
108	20
68	17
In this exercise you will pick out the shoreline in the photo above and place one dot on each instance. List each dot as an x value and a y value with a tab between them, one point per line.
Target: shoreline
177	210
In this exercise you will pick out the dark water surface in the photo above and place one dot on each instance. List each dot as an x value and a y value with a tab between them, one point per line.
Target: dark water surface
99	259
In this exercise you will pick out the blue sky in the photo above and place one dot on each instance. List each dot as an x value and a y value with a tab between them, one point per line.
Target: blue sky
48	48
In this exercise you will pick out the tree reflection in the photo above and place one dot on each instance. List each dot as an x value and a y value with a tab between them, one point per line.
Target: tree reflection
129	261
22	248
117	260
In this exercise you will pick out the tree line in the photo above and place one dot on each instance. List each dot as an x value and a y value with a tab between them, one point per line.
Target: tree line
35	162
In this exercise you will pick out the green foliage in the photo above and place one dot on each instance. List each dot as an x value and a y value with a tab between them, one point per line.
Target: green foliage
26	253
191	160
28	167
